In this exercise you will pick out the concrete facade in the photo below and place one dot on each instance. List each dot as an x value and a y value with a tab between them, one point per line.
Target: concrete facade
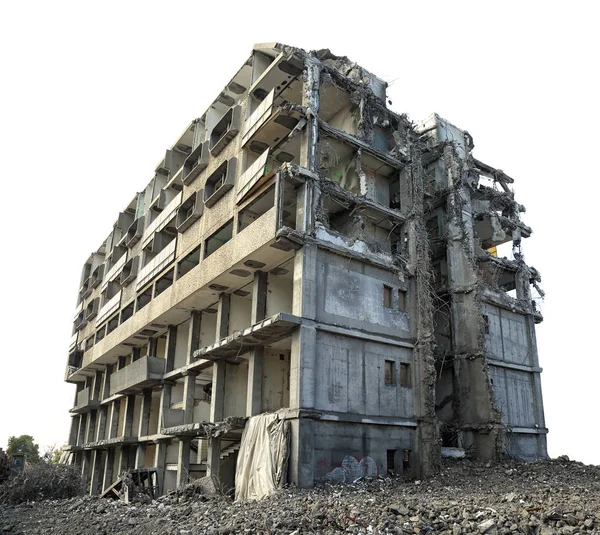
302	247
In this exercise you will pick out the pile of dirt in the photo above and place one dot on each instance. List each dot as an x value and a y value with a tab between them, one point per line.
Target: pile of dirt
545	498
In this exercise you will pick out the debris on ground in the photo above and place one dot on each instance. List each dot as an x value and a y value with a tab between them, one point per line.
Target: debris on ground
466	497
42	481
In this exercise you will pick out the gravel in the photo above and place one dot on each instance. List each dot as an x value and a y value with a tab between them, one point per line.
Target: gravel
544	498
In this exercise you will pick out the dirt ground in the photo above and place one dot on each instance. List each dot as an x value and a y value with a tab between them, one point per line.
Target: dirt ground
555	497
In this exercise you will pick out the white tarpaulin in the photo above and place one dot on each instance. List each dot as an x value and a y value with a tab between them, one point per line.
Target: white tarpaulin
263	456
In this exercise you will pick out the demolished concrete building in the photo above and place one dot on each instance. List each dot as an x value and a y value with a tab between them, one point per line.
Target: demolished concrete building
302	248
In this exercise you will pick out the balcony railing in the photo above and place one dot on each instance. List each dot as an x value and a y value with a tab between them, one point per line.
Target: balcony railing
162	219
114	271
109	308
73	342
85	401
156	265
258	118
140	374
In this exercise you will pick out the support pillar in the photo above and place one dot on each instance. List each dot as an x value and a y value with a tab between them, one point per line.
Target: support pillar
165	403
96	464
218	391
160	462
183	461
223	316
85	468
113	424
108	469
189	390
255	378
213	463
129	406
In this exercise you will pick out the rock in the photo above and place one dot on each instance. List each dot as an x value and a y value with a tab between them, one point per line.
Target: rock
487	526
510	497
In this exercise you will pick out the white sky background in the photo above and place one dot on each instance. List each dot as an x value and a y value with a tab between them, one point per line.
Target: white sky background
91	95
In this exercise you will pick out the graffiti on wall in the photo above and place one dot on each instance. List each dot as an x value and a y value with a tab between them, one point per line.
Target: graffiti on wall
353	469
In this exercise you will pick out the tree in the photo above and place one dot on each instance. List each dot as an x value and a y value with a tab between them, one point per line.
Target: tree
52	455
24	444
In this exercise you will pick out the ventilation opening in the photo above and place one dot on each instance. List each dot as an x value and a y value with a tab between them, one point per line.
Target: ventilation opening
390	373
405	375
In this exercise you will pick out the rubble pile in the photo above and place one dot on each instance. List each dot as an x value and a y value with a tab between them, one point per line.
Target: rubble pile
42	481
545	498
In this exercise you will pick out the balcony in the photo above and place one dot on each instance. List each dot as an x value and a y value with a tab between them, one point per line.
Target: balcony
140	374
114	271
85	402
109	308
162	219
157	264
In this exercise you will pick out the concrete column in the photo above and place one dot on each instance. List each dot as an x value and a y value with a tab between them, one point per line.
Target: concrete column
140	455
302	453
310	99
129	406
145	412
302	367
304	296
124	460
81	430
152	347
189	390
160	462
165	403
98	381
213	462
170	348
85	468
96	464
223	316
108	469
183	461
113	424
101	423
255	378
218	391
259	297
194	335
91	426
74	430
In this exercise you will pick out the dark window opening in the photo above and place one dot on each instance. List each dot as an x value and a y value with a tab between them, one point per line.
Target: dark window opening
164	282
406	461
112	324
225	130
405	375
401	300
258	207
127	312
190	211
390	373
188	263
100	334
288	204
387	296
220	182
391	461
486	324
433	228
218	239
143	299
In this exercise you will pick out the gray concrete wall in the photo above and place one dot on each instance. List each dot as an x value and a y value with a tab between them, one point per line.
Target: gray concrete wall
350	293
350	377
